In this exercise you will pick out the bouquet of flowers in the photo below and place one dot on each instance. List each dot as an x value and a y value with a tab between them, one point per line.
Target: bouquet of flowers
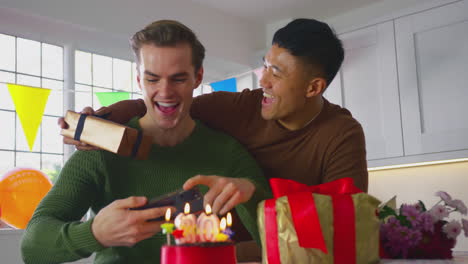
415	232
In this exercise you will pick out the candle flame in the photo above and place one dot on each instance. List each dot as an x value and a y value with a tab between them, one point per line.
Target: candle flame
168	214
207	209
187	208
229	219
222	224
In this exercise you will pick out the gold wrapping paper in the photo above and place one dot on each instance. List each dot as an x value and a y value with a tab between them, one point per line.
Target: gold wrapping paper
107	135
366	224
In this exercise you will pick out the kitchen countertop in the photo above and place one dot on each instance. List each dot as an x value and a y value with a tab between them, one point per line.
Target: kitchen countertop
460	257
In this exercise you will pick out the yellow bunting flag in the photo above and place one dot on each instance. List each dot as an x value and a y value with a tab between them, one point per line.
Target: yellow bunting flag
30	103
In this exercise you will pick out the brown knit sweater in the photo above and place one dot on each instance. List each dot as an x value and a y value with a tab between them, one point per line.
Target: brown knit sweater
330	147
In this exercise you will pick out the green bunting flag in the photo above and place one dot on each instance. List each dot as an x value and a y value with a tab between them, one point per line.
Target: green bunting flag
108	98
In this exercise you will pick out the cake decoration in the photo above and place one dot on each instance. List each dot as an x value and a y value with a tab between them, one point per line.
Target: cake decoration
202	240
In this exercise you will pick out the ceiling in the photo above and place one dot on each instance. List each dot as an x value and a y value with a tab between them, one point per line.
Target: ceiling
233	32
269	11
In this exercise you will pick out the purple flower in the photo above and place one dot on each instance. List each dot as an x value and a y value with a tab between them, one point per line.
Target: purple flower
392	223
452	229
398	240
458	205
389	226
418	207
423	234
426	222
439	212
414	237
444	196
411	213
465	226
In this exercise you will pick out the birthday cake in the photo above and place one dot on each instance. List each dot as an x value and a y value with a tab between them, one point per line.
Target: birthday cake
202	240
199	253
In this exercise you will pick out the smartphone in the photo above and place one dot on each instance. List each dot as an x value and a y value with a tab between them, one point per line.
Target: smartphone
177	199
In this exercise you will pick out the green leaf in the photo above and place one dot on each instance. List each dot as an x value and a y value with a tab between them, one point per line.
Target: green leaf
404	221
423	207
386	212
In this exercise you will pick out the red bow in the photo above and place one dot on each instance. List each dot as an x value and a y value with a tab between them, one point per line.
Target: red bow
306	220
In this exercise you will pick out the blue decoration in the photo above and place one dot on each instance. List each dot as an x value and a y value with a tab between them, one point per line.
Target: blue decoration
228	85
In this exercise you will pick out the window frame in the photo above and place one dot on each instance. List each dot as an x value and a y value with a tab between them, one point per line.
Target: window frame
39	138
70	38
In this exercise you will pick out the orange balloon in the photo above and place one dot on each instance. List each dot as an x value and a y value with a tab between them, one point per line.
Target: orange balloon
21	190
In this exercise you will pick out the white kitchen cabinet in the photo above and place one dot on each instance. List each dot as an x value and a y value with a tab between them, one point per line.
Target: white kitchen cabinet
432	55
367	85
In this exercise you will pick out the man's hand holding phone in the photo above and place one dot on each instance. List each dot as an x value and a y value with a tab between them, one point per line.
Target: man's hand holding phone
116	225
177	199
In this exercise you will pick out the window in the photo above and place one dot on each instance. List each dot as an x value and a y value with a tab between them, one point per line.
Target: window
31	63
96	73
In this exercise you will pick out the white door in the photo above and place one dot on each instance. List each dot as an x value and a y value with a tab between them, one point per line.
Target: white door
367	85
432	48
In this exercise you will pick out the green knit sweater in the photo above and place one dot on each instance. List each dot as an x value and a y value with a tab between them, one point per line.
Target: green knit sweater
93	179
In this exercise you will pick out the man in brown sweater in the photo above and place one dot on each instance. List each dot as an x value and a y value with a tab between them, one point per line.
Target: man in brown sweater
289	128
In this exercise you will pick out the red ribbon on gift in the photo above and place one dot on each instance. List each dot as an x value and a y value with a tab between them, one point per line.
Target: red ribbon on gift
306	219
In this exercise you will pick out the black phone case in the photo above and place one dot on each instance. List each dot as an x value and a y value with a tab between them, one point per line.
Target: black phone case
178	199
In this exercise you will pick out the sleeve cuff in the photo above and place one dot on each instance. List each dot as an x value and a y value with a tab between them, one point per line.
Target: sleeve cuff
84	242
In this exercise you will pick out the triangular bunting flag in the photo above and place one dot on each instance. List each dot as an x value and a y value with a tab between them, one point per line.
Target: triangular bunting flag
228	85
30	103
108	98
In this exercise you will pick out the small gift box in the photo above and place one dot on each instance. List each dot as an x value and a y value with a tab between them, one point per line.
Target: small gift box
328	223
113	137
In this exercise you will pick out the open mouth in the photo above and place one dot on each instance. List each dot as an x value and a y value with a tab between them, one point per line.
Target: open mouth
267	99
167	108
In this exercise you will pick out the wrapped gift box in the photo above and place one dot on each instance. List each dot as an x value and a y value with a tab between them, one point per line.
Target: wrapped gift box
329	223
113	137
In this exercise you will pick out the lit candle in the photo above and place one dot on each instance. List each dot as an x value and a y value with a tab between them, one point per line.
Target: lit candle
207	225
167	227
228	231
229	219
222	225
221	237
188	223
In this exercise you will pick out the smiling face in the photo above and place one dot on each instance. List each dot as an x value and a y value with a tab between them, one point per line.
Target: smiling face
285	85
167	78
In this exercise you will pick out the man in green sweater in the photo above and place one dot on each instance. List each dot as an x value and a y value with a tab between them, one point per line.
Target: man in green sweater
169	59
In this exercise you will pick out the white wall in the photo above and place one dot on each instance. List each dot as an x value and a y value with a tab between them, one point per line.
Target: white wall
272	28
105	26
417	183
245	81
409	184
368	15
10	248
421	183
221	32
379	12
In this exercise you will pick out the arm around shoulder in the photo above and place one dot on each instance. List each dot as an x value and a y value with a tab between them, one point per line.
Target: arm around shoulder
122	112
